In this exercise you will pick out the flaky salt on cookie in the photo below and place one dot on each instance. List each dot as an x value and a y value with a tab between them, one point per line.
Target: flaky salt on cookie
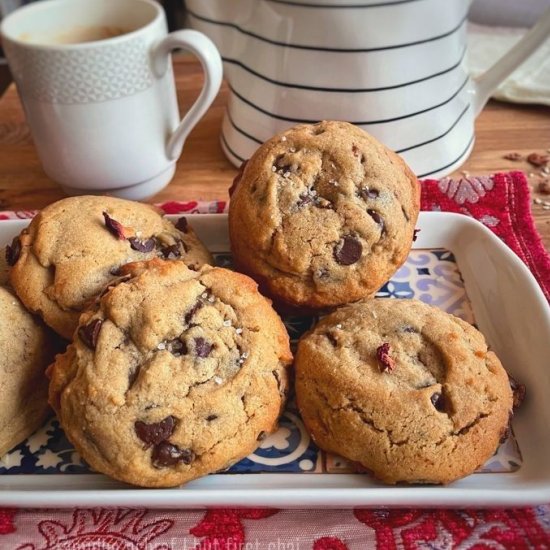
323	215
179	373
73	248
406	390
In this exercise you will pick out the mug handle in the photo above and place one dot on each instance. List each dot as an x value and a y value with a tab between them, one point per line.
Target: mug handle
487	83
201	46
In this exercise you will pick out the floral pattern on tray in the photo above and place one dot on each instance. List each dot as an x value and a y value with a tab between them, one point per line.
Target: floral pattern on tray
428	275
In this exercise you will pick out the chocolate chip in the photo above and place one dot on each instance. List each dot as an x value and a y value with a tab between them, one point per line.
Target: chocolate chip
155	433
166	454
182	224
377	218
438	401
348	250
142	246
211	417
90	333
415	234
202	347
171	252
261	436
13	251
367	193
386	363
116	228
189	315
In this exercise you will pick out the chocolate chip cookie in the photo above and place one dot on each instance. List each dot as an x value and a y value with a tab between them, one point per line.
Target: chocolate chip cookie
323	215
178	374
73	248
26	348
404	389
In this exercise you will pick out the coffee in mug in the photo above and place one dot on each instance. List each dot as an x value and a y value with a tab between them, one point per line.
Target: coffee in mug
96	81
76	35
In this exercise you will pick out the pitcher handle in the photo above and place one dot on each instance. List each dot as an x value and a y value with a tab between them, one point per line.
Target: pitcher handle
201	46
487	83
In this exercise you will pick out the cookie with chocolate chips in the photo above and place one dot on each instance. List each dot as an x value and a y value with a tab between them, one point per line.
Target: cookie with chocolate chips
177	374
404	389
323	215
26	348
73	248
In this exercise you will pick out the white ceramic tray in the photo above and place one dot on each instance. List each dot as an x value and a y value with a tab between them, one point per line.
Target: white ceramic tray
480	280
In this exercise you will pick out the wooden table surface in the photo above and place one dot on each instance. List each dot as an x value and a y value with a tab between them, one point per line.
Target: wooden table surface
204	173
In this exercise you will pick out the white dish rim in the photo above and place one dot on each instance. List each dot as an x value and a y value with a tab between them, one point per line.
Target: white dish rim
529	486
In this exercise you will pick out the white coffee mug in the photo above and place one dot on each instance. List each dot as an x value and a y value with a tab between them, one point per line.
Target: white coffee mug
96	82
393	67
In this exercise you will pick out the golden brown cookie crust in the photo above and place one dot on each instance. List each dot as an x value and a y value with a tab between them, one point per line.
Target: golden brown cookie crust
70	251
199	357
435	417
27	347
323	215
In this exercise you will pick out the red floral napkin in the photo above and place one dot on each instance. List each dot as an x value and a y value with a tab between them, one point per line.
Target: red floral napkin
502	203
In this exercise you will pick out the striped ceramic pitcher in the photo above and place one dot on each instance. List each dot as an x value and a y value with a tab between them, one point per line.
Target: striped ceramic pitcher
396	68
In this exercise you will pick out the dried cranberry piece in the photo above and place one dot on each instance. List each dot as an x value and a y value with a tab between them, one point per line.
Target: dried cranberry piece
237	178
202	347
116	228
367	193
355	150
348	250
155	433
13	251
377	218
90	333
142	246
387	364
415	234
171	252
189	315
438	401
182	224
166	454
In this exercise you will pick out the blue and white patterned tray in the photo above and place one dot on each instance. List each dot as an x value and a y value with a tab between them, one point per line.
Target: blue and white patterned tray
428	275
